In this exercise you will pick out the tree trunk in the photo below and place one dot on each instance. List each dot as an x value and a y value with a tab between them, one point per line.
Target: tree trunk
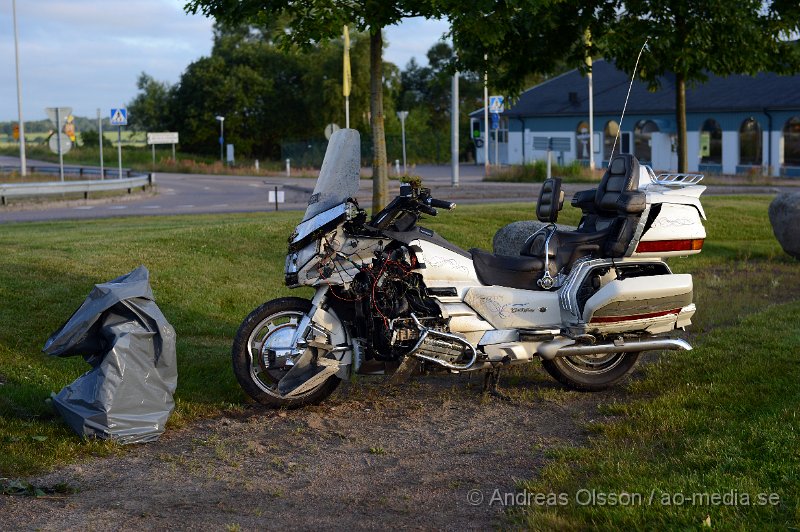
680	111
380	173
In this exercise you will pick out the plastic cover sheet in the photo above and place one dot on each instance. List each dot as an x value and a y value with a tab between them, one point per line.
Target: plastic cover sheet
122	334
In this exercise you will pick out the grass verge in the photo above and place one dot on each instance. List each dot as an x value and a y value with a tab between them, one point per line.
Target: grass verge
707	436
209	271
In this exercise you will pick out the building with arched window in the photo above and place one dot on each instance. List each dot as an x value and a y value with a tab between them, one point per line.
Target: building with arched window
735	124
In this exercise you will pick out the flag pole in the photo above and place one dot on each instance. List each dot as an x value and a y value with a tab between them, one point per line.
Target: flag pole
346	78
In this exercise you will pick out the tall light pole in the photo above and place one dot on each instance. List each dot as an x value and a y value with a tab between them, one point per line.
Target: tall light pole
221	137
454	130
402	115
22	162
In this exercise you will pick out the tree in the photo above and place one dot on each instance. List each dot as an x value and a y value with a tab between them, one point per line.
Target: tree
312	21
692	38
687	39
149	110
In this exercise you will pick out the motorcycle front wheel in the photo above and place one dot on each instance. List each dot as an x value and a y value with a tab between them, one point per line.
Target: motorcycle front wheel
264	337
591	373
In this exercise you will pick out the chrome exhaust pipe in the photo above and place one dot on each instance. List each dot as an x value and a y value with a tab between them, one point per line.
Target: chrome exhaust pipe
670	344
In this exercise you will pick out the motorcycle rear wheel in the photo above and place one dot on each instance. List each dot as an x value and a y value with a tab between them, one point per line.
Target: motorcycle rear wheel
273	323
591	373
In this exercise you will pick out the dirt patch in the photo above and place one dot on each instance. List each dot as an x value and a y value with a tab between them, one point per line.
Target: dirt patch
372	457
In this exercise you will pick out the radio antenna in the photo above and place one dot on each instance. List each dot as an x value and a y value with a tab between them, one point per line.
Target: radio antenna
633	76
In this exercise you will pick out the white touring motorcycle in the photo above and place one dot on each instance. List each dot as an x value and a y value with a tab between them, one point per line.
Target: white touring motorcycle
393	297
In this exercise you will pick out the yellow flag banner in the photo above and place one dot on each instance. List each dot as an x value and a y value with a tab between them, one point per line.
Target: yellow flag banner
346	78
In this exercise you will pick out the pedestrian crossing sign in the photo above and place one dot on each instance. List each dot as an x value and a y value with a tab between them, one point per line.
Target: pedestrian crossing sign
119	117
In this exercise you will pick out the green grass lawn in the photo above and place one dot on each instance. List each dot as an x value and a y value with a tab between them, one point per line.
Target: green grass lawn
721	417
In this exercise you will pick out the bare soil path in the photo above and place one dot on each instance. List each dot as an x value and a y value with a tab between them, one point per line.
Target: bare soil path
372	457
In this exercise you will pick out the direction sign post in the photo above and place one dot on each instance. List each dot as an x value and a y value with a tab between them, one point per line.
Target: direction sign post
559	144
119	118
55	114
165	137
496	106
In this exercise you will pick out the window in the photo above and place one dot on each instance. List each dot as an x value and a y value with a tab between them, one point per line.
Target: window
791	142
582	141
711	142
642	145
609	135
750	143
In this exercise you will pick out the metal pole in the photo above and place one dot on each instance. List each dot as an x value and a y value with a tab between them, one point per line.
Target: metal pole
403	130
454	131
100	129
486	119
58	142
154	156
347	112
591	102
173	154
23	165
497	147
276	197
119	149
221	140
549	161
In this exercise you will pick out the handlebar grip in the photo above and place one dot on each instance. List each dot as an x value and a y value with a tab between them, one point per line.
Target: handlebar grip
441	204
428	210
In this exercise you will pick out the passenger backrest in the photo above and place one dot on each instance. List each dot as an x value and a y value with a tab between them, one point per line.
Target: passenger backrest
551	200
622	176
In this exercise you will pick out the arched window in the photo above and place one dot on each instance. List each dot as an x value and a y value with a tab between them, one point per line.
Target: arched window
750	143
582	141
609	134
791	142
641	140
711	142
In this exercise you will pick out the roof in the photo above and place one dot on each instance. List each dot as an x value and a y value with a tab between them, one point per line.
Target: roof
726	94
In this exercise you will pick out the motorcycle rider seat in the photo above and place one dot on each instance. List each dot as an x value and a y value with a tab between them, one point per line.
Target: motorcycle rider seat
610	215
503	270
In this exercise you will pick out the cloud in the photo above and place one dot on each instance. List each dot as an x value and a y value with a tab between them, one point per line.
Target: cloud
88	54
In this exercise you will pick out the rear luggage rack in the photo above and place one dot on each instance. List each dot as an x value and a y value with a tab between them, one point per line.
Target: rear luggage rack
678	180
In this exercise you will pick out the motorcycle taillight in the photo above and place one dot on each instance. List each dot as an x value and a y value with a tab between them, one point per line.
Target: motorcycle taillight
655	246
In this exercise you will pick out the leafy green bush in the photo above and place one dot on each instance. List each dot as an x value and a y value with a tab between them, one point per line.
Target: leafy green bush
536	172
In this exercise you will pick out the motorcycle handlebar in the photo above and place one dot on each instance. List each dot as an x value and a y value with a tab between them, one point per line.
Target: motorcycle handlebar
428	210
441	204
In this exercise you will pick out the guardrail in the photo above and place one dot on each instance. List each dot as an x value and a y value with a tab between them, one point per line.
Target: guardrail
72	187
108	173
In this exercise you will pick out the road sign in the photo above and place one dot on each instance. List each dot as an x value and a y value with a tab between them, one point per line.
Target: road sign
276	196
330	129
119	117
165	137
496	104
56	114
495	121
561	144
66	144
16	131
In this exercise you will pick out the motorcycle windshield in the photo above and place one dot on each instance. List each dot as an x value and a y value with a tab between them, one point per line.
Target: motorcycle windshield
340	173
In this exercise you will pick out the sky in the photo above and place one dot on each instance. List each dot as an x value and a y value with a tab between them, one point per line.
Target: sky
87	54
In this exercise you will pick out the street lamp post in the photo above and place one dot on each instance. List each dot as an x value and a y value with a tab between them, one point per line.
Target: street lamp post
221	138
22	162
402	115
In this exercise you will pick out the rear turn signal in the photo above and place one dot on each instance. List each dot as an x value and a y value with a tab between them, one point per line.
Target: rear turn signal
695	244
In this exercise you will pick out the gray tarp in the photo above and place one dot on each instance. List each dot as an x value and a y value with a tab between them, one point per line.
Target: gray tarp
122	334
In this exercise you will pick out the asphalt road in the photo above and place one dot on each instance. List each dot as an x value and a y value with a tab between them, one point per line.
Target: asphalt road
202	194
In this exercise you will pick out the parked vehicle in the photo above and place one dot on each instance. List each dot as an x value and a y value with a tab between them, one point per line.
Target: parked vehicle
392	295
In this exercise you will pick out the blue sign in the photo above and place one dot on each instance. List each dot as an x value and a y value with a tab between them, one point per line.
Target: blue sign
496	104
119	117
221	141
495	121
